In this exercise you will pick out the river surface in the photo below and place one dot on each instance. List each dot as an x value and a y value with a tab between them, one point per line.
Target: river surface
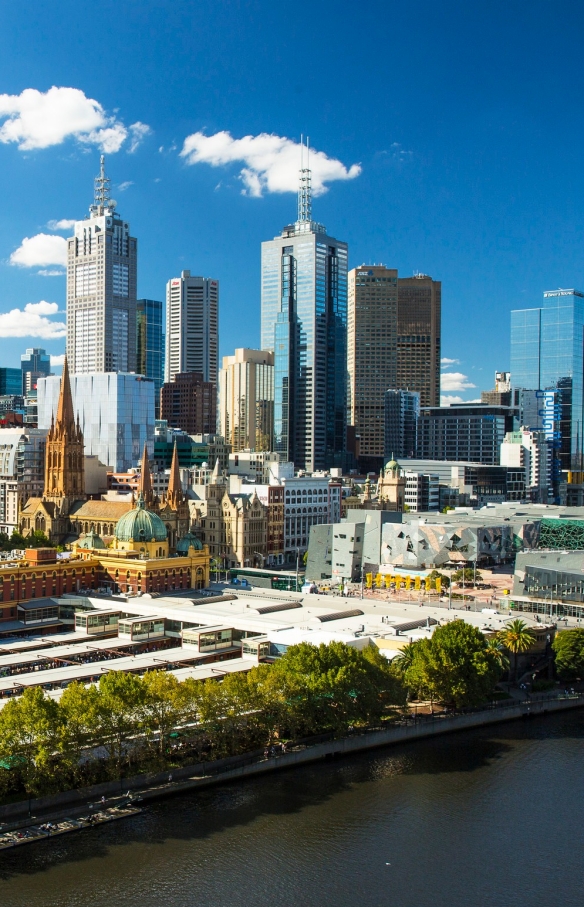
492	818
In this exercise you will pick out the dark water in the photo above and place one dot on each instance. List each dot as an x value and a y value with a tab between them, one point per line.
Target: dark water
492	818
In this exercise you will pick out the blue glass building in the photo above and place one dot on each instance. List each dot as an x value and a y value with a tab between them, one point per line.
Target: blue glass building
10	381
547	353
304	321
150	344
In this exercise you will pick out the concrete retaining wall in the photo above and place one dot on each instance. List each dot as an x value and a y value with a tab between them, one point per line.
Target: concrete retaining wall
207	774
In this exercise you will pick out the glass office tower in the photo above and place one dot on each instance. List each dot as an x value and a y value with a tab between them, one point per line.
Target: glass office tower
150	344
304	321
547	353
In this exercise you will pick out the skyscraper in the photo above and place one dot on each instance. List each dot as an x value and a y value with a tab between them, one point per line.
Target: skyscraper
402	411
149	344
547	353
35	363
304	320
192	326
246	400
418	337
101	288
371	356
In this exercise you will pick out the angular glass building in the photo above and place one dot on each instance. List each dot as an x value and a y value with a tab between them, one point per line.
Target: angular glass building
150	344
547	353
115	411
304	321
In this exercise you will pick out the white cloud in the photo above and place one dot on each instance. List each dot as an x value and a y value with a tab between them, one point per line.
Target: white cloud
455	381
32	321
138	132
445	362
453	399
270	162
36	119
39	250
64	224
125	185
58	360
51	272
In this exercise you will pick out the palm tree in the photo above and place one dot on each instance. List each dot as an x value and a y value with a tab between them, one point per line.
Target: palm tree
404	658
516	637
496	650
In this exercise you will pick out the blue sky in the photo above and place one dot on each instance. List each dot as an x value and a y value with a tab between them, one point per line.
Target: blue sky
451	135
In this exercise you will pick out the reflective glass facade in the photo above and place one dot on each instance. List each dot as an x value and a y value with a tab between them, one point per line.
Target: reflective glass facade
547	353
149	344
116	413
304	321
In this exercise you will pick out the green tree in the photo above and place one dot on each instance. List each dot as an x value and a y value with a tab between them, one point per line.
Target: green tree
118	714
162	706
454	666
568	647
445	580
79	712
496	648
468	574
517	638
29	728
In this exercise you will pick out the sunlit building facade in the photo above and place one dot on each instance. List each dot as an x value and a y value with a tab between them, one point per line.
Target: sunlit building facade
304	321
547	353
246	400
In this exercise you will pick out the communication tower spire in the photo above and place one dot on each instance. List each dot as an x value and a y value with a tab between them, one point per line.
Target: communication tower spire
305	187
102	198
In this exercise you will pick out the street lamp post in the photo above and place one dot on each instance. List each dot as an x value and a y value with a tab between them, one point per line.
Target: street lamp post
297	566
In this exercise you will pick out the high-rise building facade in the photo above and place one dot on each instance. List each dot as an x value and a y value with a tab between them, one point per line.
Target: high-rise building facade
547	353
418	337
101	289
402	411
189	403
10	382
304	321
35	363
192	326
149	344
115	412
471	432
371	356
246	400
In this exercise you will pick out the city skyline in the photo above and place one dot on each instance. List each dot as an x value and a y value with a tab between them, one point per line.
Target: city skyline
467	186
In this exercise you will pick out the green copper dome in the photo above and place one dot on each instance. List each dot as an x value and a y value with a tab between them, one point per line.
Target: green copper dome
140	525
188	541
91	540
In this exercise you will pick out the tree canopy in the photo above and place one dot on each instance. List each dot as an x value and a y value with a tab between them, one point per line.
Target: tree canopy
568	647
455	665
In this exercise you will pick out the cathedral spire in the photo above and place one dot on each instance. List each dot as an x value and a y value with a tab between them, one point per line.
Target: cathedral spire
65	413
174	493
145	485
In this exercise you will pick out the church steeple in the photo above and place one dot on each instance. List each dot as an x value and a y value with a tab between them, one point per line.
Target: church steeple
145	485
174	495
64	464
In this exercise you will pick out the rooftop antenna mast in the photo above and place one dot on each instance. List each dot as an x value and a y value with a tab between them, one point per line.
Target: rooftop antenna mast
305	188
102	198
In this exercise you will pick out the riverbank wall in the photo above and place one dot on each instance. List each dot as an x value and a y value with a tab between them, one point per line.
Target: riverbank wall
203	775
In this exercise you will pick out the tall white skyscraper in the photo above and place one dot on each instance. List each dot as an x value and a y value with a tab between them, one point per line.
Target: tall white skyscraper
101	289
192	326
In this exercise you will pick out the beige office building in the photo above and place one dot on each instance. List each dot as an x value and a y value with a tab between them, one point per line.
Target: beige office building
246	400
371	355
418	337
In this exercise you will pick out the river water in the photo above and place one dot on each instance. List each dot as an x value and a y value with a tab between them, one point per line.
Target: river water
492	818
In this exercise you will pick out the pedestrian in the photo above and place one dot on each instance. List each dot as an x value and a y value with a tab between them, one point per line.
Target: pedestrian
266	753
170	778
103	801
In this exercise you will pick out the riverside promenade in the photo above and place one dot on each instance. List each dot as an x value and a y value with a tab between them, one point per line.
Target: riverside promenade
203	775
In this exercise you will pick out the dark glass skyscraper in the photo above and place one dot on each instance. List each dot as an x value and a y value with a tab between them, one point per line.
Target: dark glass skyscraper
34	364
547	353
304	321
149	343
